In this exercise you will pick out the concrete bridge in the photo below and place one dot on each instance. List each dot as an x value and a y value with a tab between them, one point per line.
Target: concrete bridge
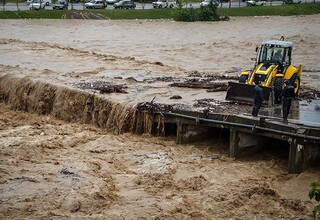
245	134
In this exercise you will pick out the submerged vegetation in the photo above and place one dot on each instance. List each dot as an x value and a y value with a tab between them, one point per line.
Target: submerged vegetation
181	14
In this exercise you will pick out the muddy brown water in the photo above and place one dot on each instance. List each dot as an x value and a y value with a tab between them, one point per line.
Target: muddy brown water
60	158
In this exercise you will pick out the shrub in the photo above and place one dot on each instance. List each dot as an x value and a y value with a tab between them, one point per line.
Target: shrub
208	13
314	193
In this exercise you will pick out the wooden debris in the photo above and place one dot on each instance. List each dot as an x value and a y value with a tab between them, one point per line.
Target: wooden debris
153	107
103	87
210	86
176	97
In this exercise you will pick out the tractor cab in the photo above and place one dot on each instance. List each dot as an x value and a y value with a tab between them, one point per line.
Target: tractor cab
274	52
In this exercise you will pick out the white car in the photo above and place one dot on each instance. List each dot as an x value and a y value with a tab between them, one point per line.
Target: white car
255	3
95	4
207	2
47	2
37	4
164	4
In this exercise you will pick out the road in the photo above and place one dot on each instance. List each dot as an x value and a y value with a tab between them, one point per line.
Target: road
79	6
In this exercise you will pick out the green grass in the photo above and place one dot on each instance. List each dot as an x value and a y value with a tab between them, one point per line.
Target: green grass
285	10
32	14
138	14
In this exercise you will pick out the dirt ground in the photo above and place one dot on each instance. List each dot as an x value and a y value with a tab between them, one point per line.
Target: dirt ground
52	169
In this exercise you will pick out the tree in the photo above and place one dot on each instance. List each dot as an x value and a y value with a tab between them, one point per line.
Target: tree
181	3
314	193
17	3
143	3
4	2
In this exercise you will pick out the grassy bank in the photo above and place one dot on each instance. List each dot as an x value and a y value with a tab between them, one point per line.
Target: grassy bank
283	10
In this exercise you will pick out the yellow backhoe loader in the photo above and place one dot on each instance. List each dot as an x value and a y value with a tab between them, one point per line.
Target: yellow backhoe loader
272	67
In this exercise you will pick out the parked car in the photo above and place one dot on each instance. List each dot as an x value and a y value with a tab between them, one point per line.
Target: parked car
127	4
164	4
255	3
37	4
207	2
112	1
47	2
95	4
290	2
60	5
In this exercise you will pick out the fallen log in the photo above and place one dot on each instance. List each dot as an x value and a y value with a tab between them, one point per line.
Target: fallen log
210	86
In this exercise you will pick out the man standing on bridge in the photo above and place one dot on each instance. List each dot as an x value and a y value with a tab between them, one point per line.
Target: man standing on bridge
287	95
258	99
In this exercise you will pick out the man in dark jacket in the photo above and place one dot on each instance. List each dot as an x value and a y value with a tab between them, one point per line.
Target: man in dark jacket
287	95
258	99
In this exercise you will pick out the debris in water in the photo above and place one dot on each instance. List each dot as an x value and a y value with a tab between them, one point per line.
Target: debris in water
203	84
176	97
153	107
103	87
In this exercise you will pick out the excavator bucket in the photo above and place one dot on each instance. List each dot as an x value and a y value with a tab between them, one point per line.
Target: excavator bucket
244	93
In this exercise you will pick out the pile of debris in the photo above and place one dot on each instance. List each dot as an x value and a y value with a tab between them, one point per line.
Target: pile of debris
151	107
102	87
209	84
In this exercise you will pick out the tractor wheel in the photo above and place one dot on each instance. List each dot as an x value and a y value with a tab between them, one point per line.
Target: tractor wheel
243	79
296	84
277	88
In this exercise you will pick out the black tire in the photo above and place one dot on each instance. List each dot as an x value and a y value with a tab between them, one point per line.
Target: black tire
296	84
243	79
171	6
160	6
47	3
277	88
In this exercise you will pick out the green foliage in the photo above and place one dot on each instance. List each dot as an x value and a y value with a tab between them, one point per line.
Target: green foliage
314	193
180	4
208	13
32	14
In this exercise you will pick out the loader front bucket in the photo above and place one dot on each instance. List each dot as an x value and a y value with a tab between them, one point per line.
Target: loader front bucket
244	93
